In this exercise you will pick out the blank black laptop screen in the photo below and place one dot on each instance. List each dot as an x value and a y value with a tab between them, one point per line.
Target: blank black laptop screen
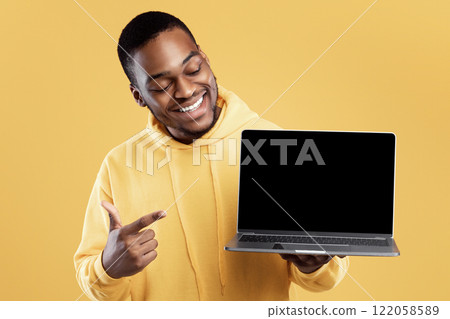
326	181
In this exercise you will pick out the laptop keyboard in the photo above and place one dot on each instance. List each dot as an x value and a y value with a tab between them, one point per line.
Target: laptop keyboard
314	240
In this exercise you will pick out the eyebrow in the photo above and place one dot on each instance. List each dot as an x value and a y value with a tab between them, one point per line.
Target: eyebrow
160	74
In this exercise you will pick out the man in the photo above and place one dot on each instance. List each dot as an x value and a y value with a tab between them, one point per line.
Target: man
190	117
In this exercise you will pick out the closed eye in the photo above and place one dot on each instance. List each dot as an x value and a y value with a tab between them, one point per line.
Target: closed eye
161	90
195	72
192	73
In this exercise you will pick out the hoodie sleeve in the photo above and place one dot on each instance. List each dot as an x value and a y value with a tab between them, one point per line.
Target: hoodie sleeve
325	278
90	274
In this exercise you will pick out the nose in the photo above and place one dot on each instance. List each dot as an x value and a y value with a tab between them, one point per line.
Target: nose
184	88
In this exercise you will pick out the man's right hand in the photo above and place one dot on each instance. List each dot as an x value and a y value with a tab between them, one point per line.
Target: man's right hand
128	250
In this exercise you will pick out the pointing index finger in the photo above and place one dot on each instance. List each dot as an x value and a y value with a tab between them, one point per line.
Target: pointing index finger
143	221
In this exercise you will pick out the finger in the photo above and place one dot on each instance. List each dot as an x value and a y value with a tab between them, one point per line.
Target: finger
148	246
313	259
322	259
114	217
149	257
326	259
305	259
302	259
144	260
145	235
144	221
288	257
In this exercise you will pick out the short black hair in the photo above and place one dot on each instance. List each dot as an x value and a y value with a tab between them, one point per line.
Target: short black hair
139	31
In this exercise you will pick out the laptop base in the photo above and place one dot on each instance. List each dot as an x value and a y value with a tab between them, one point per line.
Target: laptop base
390	250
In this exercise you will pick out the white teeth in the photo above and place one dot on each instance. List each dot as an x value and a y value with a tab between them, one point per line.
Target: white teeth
192	107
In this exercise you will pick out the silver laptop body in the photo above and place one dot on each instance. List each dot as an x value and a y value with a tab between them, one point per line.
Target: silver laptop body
316	192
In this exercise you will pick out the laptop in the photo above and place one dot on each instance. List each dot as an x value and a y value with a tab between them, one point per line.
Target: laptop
316	192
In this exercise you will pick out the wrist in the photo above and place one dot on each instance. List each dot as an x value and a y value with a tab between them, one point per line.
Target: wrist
102	275
106	269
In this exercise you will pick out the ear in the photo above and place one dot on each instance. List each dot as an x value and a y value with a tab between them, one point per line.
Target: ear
137	96
203	54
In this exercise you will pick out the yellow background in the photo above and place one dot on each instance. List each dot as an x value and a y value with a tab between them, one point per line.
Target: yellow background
65	103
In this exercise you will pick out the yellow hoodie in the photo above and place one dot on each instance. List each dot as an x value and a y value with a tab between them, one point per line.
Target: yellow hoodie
197	185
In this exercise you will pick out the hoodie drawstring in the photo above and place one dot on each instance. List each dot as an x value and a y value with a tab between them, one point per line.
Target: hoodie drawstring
219	222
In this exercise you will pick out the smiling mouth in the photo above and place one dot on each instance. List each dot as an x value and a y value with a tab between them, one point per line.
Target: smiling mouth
192	107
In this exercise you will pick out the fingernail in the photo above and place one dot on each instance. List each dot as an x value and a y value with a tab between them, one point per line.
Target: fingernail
163	213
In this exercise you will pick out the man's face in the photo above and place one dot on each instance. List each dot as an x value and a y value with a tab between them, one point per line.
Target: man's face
183	71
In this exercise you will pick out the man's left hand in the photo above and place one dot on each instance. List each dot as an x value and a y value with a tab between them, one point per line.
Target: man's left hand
308	263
